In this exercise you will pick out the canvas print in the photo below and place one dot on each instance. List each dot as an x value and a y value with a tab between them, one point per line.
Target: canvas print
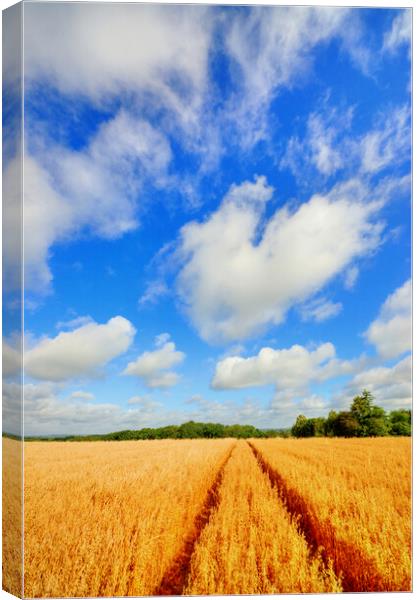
206	299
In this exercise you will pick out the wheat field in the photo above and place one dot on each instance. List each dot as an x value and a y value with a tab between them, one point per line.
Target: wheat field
355	498
251	544
12	516
216	517
109	518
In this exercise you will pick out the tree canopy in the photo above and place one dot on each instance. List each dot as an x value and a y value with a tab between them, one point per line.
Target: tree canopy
364	419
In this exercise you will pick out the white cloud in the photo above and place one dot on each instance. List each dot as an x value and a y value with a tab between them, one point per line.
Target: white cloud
161	339
388	143
153	367
165	379
74	323
66	192
329	145
282	55
241	274
154	291
320	309
291	368
94	190
391	332
79	352
81	395
314	403
390	386
158	50
145	403
11	360
160	56
350	277
322	145
46	217
47	413
400	33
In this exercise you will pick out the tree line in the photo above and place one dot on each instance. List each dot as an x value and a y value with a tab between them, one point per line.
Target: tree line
364	419
189	430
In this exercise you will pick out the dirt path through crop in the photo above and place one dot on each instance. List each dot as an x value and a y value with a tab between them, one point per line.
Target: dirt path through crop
175	578
330	548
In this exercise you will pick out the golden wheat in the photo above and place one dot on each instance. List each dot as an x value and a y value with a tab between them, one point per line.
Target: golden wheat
108	518
355	499
251	545
12	516
187	516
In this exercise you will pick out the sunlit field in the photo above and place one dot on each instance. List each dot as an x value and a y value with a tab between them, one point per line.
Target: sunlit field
12	516
217	517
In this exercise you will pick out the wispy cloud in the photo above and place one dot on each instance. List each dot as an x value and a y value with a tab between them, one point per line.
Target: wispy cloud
400	33
320	309
329	144
283	55
154	291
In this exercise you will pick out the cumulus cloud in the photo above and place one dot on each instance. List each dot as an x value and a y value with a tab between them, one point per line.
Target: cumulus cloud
290	368
46	412
153	366
320	309
241	273
79	352
313	403
390	386
400	33
391	332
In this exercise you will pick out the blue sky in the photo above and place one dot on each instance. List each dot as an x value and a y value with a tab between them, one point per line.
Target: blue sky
217	214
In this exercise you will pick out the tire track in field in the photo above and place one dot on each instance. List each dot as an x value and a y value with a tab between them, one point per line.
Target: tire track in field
175	578
345	557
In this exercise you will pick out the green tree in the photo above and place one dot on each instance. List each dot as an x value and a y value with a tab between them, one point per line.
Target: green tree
361	409
305	427
346	425
400	422
301	426
318	426
377	426
329	423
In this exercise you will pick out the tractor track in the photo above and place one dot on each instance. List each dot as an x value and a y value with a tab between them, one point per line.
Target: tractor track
174	580
329	548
